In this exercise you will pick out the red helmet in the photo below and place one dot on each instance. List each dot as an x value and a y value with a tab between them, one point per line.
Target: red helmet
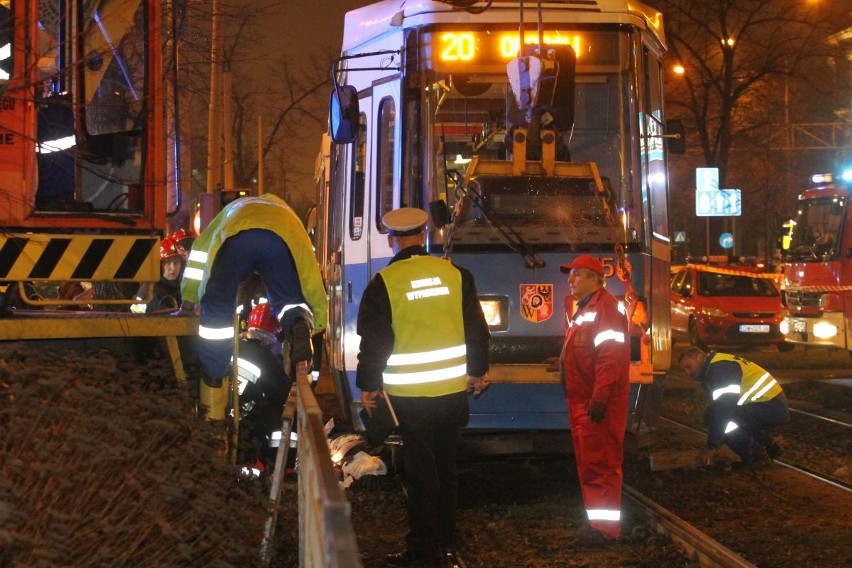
261	318
170	248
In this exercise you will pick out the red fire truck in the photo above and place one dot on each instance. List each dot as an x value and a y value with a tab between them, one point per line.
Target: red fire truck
818	266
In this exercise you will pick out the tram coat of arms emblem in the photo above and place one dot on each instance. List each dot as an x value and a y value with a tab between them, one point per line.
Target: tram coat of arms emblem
536	302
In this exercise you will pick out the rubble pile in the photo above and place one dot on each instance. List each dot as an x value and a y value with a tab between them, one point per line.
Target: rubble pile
103	463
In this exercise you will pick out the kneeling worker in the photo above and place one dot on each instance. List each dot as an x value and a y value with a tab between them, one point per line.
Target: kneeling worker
745	402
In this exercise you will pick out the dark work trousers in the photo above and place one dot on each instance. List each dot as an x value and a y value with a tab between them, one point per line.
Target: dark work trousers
751	436
430	428
255	250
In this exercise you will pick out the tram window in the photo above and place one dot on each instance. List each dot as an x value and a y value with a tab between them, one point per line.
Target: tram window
356	206
385	160
654	165
7	30
115	68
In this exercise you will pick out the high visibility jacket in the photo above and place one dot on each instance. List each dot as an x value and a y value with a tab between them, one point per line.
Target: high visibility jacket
270	213
751	384
732	383
429	354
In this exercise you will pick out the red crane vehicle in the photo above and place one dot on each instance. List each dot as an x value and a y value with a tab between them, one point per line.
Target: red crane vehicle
83	164
818	266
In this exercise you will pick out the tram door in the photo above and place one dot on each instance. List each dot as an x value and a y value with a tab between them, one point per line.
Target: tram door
385	162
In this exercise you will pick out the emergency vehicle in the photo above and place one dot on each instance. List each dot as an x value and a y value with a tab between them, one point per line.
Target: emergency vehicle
83	162
818	267
531	136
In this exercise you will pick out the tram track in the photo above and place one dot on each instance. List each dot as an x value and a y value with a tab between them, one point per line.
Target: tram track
696	544
799	468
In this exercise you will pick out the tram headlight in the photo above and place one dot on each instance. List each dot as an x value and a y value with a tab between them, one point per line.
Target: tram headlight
495	309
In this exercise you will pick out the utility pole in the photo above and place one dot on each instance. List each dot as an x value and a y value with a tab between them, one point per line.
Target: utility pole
214	118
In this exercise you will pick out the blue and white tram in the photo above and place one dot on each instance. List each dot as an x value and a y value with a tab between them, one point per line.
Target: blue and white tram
525	157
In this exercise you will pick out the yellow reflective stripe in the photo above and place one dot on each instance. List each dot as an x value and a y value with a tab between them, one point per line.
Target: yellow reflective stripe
603	514
609	334
425	376
427	356
215	333
730	427
730	389
755	387
193	273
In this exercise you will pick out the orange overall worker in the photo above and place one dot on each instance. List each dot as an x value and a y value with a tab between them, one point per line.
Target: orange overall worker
595	365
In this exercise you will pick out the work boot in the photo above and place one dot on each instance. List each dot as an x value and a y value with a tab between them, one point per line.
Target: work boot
301	348
593	539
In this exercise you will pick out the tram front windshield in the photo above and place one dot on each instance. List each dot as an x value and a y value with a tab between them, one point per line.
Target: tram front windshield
467	110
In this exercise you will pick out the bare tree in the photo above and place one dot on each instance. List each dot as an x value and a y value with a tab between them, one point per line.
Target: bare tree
266	84
739	60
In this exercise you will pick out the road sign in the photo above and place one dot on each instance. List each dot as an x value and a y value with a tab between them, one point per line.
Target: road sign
706	178
718	203
680	236
726	240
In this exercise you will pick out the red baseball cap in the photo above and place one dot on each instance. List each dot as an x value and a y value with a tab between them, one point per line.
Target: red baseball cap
584	261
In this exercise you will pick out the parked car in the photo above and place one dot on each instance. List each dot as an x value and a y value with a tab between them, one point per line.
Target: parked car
726	308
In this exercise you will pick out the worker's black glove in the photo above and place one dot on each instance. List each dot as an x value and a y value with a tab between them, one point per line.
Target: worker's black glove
597	410
186	309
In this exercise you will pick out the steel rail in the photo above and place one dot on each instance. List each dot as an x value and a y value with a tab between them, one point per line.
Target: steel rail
820	417
708	552
825	478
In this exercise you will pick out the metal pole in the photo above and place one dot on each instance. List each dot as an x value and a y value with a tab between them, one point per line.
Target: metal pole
214	114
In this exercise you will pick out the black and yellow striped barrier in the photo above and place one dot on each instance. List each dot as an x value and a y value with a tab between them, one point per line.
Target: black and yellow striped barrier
79	257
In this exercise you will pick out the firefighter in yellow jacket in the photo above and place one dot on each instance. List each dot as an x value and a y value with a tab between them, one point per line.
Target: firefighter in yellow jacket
745	401
424	340
250	235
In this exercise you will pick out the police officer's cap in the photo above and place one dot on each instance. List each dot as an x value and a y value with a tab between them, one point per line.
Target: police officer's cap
405	221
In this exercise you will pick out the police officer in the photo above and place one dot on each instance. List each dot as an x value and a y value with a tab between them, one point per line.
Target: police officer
595	365
250	235
745	401
424	340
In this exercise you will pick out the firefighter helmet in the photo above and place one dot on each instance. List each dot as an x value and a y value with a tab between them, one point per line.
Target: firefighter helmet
261	318
170	248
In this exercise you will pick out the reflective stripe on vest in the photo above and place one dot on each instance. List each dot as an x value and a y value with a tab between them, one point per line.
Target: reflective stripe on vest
756	384
429	353
730	389
758	389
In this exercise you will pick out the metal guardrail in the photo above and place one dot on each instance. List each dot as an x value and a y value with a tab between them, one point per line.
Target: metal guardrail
326	536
